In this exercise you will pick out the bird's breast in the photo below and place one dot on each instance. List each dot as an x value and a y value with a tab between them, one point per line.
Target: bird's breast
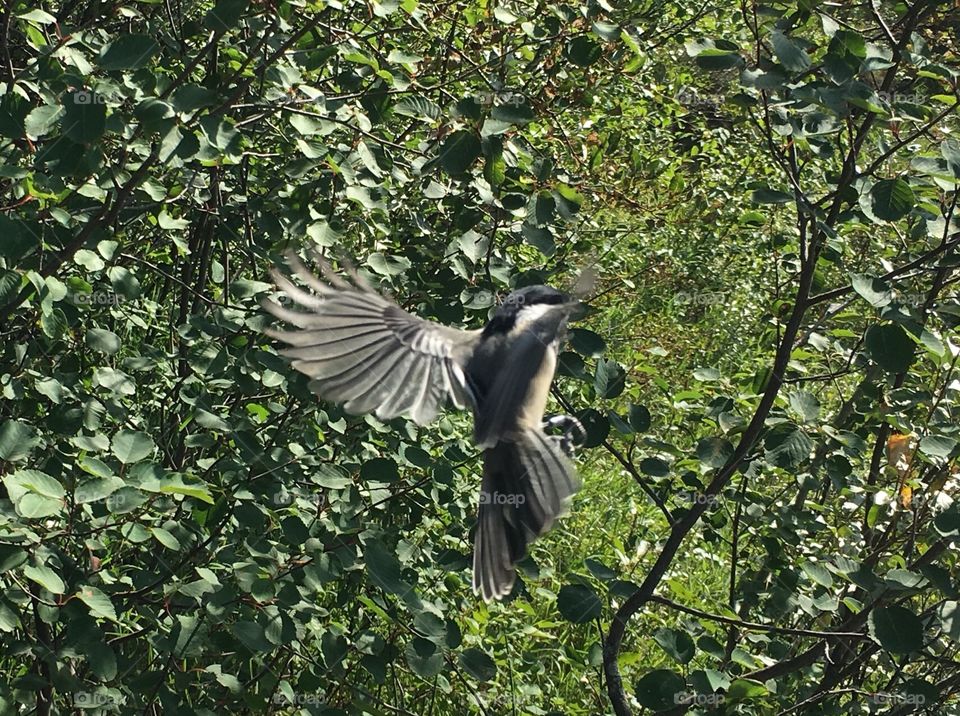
536	401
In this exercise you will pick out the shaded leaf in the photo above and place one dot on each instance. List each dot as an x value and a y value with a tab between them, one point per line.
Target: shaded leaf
896	629
578	603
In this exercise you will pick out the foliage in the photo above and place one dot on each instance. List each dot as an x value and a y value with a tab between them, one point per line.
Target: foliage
767	374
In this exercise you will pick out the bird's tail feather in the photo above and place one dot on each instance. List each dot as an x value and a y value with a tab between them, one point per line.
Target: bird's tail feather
527	484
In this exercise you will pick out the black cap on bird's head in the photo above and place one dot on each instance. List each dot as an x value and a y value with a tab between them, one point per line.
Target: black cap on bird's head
532	296
521	300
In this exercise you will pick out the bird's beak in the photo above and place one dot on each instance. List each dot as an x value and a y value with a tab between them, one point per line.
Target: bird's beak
576	309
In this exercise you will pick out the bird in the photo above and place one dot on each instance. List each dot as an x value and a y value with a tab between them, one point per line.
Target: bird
361	350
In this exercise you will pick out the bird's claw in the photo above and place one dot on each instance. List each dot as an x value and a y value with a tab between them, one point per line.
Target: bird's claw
572	435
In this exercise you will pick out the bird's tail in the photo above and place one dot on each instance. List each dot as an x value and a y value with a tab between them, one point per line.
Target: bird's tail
527	484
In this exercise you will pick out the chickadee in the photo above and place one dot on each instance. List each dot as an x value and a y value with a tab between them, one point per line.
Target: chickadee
364	351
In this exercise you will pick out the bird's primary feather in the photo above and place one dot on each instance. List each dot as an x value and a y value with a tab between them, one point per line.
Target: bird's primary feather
364	351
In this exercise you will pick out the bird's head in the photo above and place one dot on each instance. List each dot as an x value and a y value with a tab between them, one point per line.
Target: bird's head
527	304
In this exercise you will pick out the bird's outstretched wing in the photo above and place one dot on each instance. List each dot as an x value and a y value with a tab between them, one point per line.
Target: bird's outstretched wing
364	351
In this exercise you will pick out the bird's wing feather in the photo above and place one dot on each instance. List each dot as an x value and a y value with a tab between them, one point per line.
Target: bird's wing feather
364	351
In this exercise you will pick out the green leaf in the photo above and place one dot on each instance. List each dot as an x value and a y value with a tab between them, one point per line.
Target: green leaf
45	577
418	107
539	237
716	60
424	657
132	446
586	342
54	324
460	150
568	200
891	199
789	53
128	52
430	626
706	374
817	573
896	629
176	484
478	664
333	477
639	418
41	120
383	569
938	446
875	291
251	635
513	113
746	690
770	196
903	580
806	405
168	540
9	280
599	570
24	481
714	452
947	523
660	690
578	603
677	643
787	445
890	347
224	15
655	467
17	440
191	97
33	506
102	340
597	426
610	378
40	17
388	265
115	381
98	602
583	51
383	469
950	619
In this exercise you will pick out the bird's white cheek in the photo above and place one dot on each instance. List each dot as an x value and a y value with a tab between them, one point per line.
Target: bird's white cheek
529	314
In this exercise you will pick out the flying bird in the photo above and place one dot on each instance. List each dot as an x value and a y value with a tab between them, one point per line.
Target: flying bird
362	350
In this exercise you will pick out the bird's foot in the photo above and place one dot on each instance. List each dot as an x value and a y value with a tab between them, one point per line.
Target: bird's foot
572	432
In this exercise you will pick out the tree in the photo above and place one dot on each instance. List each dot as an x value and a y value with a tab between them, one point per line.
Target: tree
767	377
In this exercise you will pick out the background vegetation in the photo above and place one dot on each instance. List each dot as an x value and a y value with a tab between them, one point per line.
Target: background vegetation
769	372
